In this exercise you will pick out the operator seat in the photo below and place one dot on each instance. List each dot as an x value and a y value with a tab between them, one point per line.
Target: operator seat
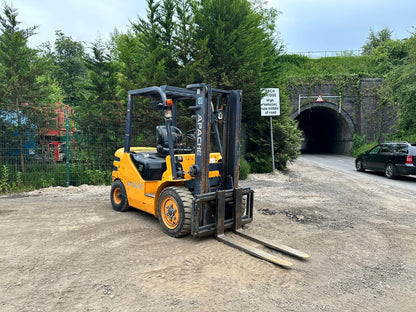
162	142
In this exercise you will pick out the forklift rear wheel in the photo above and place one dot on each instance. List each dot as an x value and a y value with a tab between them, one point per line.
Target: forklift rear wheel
174	210
119	196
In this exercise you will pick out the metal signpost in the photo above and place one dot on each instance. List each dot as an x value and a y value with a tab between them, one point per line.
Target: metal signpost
270	106
67	149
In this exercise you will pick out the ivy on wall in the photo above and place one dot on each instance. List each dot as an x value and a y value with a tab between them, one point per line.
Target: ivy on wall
373	116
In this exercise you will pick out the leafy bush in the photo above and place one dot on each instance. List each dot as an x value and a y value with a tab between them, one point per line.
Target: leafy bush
9	183
262	164
287	140
244	169
97	177
409	138
4	179
37	176
360	146
363	148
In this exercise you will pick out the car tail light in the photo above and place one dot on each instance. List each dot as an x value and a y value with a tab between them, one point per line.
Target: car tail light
409	160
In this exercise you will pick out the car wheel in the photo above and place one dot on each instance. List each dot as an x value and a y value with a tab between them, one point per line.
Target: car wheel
391	171
359	165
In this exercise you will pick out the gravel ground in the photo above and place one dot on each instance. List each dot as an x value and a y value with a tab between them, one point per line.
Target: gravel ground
65	249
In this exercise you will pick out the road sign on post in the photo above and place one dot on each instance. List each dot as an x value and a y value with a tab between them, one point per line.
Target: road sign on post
270	106
270	102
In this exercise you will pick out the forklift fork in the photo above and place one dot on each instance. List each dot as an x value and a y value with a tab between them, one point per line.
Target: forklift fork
237	229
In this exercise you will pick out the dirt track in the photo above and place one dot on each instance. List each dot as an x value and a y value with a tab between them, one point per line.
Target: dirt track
65	249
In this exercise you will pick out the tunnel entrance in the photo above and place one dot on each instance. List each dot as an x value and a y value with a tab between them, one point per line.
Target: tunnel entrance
325	130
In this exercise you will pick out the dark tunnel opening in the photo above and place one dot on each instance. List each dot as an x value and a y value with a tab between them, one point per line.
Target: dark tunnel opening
324	131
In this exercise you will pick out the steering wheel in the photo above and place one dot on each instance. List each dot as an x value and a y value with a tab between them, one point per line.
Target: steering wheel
191	134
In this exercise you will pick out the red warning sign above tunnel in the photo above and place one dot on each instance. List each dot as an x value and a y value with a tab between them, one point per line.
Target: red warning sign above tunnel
319	99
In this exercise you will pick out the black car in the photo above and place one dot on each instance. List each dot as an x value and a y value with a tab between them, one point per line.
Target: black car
393	159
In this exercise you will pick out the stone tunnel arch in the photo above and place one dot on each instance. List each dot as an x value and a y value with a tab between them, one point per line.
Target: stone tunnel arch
325	128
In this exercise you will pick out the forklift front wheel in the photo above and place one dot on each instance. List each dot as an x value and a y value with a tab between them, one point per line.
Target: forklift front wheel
119	196
174	210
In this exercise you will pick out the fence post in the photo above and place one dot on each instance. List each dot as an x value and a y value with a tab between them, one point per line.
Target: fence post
67	149
271	135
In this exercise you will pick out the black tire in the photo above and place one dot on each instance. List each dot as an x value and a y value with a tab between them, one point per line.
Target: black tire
118	196
359	165
391	171
174	208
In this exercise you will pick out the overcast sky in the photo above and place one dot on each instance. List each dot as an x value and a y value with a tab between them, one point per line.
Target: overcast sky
305	25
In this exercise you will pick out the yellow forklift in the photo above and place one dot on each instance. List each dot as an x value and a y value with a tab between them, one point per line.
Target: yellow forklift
191	189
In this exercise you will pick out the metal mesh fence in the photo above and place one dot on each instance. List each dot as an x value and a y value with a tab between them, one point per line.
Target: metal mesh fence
322	54
56	145
56	149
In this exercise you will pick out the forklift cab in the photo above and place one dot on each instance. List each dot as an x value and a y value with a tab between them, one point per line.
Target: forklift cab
152	165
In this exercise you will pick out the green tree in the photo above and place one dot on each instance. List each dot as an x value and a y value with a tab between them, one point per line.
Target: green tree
182	39
101	73
20	68
399	88
101	112
153	44
146	54
242	41
127	58
388	55
240	44
192	55
375	39
231	44
69	67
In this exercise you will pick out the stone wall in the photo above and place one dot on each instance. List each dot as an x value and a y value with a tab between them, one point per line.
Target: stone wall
361	102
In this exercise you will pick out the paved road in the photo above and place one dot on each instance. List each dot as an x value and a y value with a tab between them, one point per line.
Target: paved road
405	185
